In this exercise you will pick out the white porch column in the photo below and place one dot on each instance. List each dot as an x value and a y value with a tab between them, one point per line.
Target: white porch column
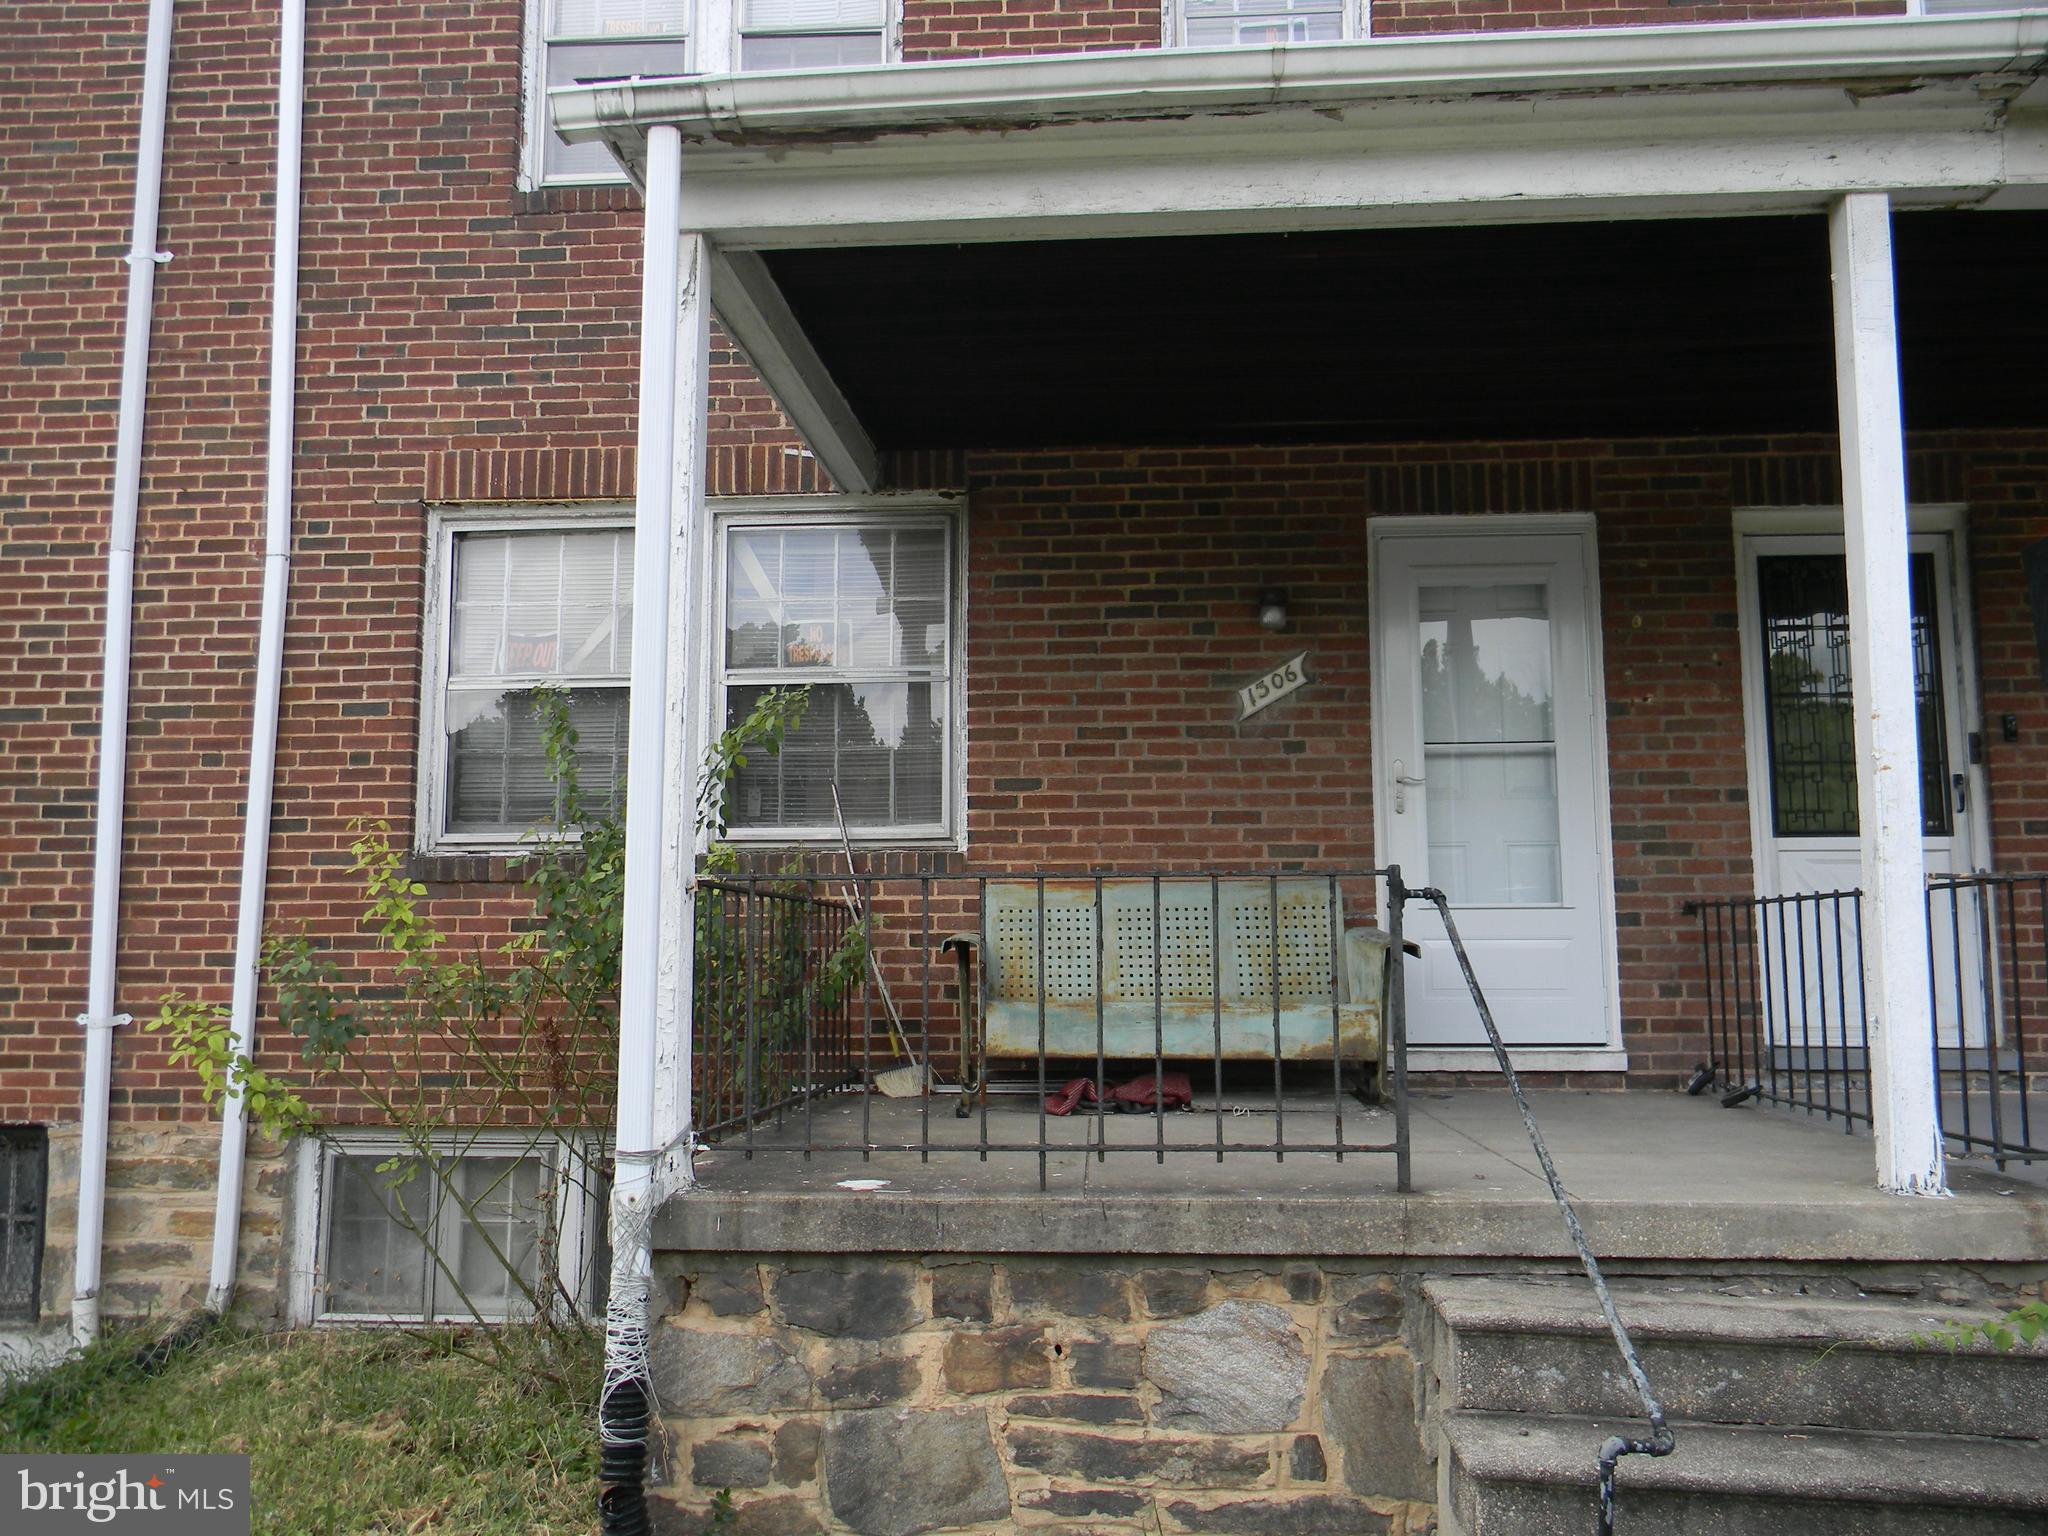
690	561
1909	1156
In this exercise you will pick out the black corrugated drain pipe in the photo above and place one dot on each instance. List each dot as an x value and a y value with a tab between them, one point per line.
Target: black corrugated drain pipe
623	1421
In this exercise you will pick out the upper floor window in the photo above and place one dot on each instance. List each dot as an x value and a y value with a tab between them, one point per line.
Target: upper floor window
572	42
519	603
812	34
577	40
1261	23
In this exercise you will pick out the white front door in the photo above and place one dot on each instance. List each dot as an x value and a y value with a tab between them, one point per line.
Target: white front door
1802	769
1490	763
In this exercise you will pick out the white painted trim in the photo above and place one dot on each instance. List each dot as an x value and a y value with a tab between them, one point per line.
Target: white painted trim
303	1253
534	107
1928	517
1904	1109
444	521
1479	1058
1963	623
1583	526
947	511
757	316
716	36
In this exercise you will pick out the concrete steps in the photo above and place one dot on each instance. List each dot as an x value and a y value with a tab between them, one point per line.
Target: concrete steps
1518	1475
1792	1414
1540	1347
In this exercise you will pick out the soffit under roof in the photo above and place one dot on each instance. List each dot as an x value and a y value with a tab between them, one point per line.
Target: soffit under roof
1643	328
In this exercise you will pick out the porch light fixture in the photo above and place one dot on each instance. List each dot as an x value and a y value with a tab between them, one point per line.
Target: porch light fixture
1273	609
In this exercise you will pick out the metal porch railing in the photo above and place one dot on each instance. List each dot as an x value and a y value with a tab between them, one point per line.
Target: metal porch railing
1152	1012
1788	1025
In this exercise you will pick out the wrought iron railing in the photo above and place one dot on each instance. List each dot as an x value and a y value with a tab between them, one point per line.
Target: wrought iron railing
1131	1012
777	1016
1787	1021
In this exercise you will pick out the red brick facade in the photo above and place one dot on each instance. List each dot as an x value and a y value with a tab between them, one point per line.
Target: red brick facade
464	340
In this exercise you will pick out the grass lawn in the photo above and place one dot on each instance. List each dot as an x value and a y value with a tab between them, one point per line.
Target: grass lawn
348	1432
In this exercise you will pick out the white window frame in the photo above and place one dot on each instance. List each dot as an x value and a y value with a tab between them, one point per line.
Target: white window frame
815	511
444	524
1357	16
711	47
577	1216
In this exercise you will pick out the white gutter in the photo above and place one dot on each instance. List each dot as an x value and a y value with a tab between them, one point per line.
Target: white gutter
99	1019
1166	82
277	558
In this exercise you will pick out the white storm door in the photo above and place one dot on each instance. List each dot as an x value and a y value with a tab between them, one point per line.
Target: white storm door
1802	775
1490	764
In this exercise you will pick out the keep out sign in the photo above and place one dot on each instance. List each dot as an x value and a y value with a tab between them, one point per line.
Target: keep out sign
124	1495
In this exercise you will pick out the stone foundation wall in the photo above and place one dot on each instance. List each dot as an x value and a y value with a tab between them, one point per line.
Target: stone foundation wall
159	1223
896	1396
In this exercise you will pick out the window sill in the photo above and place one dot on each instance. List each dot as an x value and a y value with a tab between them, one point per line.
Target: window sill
466	866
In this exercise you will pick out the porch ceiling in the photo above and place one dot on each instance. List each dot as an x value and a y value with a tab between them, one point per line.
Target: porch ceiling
1642	328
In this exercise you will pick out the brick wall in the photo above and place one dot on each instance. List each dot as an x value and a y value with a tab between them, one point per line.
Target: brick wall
459	339
1111	600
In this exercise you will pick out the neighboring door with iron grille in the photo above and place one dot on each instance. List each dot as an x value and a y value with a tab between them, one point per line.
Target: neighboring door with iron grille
1802	749
24	1176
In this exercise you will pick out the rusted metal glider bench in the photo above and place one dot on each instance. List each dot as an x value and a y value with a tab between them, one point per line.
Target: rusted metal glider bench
1213	986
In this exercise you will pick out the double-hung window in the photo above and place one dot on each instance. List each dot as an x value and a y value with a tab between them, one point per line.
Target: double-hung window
520	604
859	610
572	42
1262	23
811	34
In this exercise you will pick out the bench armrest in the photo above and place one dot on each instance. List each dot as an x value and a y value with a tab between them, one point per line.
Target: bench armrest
963	947
1365	964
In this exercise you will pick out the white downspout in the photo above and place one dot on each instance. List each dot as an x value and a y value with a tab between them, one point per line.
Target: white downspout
277	562
644	1170
99	1019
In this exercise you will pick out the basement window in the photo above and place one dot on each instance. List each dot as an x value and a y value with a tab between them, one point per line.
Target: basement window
456	1238
1263	23
521	601
859	609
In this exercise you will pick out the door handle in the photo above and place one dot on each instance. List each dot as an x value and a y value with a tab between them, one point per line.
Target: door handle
1401	782
1961	784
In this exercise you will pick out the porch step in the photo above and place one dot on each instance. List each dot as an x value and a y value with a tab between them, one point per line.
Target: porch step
1535	1347
1521	1475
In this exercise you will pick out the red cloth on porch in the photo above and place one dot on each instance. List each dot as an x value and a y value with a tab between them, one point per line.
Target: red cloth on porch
1075	1090
1172	1092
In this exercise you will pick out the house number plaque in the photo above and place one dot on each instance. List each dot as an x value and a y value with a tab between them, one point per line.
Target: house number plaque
1289	677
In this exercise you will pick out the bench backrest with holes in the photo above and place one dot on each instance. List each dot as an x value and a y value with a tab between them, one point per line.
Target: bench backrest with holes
1220	986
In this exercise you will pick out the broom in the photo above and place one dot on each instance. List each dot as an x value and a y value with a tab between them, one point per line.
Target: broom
898	1082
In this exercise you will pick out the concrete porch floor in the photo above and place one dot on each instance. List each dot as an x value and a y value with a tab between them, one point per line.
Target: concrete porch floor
1654	1176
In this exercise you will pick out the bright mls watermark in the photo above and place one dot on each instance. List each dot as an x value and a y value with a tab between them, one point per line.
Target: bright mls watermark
156	1495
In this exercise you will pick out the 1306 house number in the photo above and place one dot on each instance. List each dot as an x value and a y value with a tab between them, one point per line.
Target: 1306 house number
1288	677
